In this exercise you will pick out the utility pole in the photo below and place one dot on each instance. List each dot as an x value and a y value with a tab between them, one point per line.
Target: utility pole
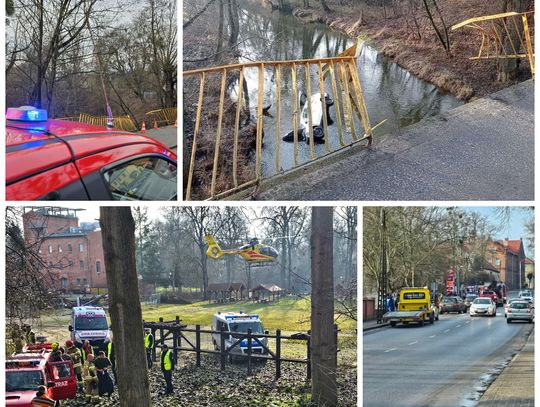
383	275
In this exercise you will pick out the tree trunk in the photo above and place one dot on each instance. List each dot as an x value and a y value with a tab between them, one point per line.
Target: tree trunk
323	345
219	47
204	269
118	233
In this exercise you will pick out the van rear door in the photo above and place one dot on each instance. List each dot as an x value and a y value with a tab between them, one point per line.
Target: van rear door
63	376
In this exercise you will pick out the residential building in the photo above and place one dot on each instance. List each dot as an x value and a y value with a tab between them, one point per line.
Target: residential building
508	257
72	253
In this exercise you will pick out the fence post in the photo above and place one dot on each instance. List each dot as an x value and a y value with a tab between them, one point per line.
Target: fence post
175	344
308	341
198	343
278	354
179	336
249	351
222	347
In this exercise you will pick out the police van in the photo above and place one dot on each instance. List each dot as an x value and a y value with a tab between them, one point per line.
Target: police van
89	323
238	322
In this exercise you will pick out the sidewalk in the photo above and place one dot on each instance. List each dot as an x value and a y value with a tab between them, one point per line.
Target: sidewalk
370	325
515	385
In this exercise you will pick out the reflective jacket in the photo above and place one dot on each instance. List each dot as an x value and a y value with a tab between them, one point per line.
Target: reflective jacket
167	360
148	341
42	401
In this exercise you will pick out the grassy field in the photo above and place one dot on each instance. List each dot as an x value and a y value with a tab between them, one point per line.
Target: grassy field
291	314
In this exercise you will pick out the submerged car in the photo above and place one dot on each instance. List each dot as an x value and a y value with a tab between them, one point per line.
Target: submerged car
62	160
317	118
520	311
483	306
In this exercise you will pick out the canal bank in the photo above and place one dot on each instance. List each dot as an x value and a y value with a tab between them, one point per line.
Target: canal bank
403	35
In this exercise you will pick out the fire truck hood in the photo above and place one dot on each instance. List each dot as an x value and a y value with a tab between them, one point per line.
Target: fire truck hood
20	398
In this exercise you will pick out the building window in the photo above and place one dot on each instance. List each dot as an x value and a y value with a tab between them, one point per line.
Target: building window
78	281
64	282
498	262
70	264
59	248
85	283
81	264
50	248
70	249
98	267
81	248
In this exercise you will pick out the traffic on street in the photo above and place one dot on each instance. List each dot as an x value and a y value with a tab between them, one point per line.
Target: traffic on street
445	364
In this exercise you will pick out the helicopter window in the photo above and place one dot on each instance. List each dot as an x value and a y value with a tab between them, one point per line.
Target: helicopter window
269	251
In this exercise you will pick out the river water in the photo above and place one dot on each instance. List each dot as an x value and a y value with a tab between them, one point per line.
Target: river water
390	91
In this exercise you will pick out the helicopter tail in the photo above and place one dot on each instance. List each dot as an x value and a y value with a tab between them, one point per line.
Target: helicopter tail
213	251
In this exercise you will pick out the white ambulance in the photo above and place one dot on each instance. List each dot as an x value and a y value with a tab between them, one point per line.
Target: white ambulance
89	323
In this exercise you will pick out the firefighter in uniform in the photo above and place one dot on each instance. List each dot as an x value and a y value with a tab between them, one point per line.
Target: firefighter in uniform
167	367
75	354
149	346
109	351
29	335
42	399
90	380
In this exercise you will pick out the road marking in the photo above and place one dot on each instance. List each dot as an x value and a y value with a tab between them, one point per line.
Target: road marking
447	330
390	350
412	343
433	336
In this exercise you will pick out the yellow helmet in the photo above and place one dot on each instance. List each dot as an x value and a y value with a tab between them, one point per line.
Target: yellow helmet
54	346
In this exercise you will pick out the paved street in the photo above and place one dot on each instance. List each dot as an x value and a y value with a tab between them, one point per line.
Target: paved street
439	365
483	150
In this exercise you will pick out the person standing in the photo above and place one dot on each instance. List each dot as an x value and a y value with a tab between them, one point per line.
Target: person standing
75	354
105	383
87	349
149	346
90	380
29	335
42	399
109	351
167	367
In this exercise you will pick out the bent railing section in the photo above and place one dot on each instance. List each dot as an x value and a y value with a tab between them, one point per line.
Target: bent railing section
244	110
504	36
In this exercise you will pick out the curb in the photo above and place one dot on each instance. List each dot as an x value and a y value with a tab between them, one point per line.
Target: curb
371	328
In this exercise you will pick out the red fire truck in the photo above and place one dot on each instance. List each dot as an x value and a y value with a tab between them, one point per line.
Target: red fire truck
28	370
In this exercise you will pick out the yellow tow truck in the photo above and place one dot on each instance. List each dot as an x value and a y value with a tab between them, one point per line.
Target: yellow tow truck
414	306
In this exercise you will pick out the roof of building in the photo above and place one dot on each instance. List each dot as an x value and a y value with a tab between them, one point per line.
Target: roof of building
514	246
268	287
226	287
528	261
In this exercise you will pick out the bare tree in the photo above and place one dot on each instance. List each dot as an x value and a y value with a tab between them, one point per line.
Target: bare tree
323	341
118	234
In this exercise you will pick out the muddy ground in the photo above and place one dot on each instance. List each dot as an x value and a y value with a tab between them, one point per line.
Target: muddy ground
208	386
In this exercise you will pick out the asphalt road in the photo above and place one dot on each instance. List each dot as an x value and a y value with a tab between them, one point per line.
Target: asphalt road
439	365
483	150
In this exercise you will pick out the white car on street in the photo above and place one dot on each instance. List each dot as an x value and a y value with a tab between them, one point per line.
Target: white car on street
483	306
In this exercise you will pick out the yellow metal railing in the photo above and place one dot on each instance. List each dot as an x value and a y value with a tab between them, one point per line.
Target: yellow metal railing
504	36
120	122
165	117
336	76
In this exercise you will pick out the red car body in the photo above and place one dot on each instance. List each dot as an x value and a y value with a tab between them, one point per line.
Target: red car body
63	160
26	371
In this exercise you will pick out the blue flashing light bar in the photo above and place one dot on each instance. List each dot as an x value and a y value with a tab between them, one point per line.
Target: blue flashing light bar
26	114
243	316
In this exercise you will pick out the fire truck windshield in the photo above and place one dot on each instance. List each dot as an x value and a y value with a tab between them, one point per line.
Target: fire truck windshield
91	324
20	380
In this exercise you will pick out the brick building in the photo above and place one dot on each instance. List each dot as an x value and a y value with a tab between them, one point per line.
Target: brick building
72	251
508	257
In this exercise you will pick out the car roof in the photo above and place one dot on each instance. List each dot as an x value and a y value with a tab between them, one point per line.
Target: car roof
59	142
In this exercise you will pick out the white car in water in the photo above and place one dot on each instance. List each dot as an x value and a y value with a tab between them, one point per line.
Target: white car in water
483	306
317	118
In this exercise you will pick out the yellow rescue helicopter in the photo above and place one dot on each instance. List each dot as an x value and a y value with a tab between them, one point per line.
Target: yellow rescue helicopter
253	252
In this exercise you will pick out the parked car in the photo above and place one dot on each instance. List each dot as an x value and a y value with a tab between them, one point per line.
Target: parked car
452	304
469	299
526	295
483	306
520	310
